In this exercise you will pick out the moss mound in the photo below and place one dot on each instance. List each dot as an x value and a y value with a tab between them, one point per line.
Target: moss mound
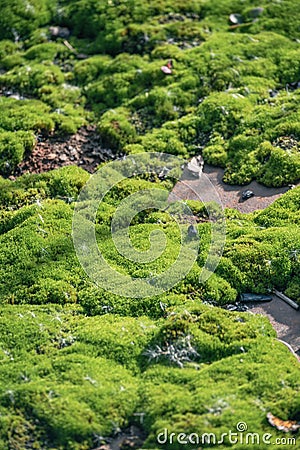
67	379
80	365
69	346
233	92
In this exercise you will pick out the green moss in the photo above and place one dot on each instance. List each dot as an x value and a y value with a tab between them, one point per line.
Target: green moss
7	48
65	182
20	19
10	61
215	155
78	362
247	63
54	274
293	290
222	113
285	211
282	167
211	409
25	115
29	78
116	130
46	52
164	140
13	147
37	116
88	70
68	397
219	290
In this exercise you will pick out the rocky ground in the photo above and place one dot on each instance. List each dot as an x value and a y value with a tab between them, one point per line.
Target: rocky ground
83	149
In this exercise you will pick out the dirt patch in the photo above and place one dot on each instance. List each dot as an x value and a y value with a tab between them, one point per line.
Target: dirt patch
229	195
82	149
285	320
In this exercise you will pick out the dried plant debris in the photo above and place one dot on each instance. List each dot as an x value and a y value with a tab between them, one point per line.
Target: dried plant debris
283	425
177	352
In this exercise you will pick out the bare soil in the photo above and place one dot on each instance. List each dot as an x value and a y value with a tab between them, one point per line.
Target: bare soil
229	195
82	149
285	320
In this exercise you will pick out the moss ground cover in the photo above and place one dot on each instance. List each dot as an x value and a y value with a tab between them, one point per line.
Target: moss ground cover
233	89
66	378
79	364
